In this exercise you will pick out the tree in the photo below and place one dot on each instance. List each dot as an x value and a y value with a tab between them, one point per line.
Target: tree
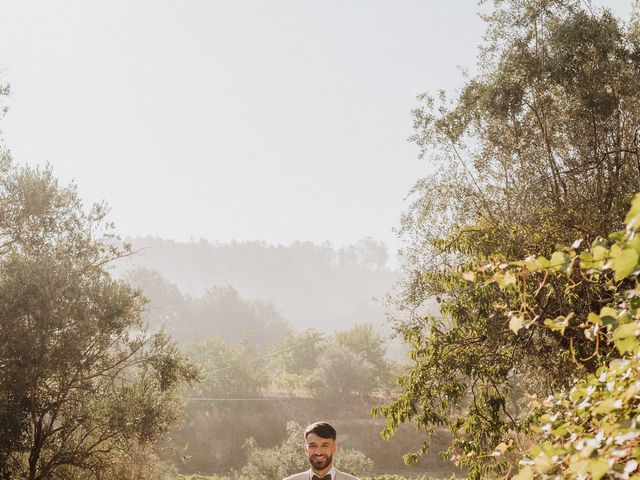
351	364
354	365
85	390
539	148
366	343
167	307
228	399
366	252
229	371
543	142
295	359
589	430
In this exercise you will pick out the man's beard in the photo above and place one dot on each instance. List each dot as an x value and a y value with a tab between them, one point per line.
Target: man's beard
320	464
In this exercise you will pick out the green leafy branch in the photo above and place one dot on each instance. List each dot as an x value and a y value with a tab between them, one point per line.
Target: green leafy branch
589	431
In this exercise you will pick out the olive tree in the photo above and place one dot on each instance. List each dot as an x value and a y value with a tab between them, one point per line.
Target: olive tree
85	390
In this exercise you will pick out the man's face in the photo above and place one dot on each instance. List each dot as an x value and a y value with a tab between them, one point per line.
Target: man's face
320	451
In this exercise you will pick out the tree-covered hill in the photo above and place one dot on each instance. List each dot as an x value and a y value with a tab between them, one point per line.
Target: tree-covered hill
311	285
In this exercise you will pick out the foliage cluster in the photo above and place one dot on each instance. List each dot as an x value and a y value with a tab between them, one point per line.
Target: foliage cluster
85	390
540	148
589	430
380	477
398	477
351	363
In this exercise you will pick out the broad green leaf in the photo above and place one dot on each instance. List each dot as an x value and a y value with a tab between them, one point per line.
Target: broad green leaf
558	324
625	263
615	251
598	468
594	318
632	216
609	316
625	337
525	474
580	467
586	260
531	264
560	261
561	429
509	278
631	392
634	243
576	394
504	279
617	236
608	405
535	450
600	253
542	462
543	263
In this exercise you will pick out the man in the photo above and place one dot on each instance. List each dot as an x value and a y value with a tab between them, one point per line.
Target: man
319	446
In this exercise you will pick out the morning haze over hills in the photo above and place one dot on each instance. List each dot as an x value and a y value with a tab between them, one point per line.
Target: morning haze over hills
256	291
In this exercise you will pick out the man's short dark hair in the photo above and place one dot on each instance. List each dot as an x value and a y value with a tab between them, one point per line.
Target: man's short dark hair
322	429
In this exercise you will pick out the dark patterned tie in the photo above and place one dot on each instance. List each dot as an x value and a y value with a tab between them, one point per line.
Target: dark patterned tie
326	477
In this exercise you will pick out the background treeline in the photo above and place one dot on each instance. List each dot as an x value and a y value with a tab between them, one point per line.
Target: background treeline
219	311
312	286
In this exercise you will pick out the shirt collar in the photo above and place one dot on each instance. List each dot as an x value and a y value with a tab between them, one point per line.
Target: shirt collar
331	472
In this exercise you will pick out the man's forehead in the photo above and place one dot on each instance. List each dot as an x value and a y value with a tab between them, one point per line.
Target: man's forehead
315	438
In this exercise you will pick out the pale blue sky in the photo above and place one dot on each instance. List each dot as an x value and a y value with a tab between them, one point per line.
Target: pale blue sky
270	120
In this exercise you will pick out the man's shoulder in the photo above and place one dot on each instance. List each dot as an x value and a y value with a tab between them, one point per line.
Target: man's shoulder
344	476
305	476
299	476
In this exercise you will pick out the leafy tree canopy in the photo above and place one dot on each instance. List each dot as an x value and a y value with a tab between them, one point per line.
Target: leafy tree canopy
349	364
590	429
539	148
85	392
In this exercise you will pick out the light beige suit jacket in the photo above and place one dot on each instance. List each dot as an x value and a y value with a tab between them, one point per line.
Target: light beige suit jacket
305	476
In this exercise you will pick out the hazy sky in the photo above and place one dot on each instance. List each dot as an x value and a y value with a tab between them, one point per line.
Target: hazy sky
270	120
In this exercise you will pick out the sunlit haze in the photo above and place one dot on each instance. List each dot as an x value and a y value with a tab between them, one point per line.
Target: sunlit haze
277	121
